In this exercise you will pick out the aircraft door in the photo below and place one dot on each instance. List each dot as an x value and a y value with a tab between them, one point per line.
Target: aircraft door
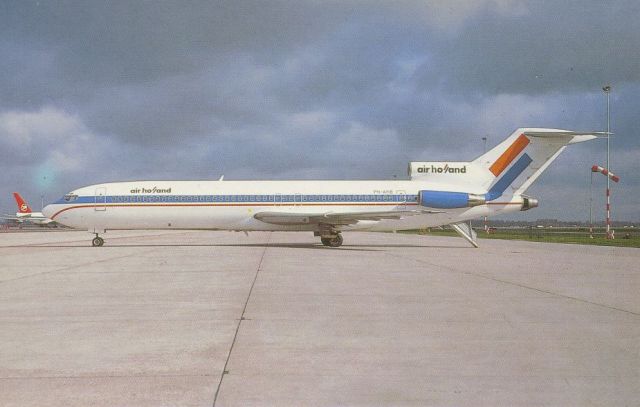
101	199
277	199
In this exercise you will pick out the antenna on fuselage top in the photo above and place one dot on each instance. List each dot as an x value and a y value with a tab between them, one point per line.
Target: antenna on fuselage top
221	178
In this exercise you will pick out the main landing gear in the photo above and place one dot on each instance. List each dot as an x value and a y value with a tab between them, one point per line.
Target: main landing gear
329	235
97	241
333	241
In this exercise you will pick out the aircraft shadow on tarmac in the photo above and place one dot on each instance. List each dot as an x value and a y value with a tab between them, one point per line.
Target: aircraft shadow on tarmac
265	245
363	248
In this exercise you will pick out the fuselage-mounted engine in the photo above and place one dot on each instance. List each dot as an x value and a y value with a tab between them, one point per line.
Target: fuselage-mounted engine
449	200
528	203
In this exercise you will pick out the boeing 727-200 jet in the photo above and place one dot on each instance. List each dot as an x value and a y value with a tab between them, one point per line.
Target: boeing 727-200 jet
437	194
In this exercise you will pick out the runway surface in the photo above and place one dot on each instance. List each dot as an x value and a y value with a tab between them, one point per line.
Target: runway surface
275	319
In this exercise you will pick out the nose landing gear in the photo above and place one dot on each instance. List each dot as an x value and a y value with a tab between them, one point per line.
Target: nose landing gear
97	241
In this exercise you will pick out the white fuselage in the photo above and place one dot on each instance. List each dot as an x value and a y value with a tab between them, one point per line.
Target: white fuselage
231	205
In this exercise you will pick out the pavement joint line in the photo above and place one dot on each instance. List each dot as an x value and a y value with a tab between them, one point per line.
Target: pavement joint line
67	268
403	377
101	376
438	321
406	296
244	309
148	272
102	321
540	290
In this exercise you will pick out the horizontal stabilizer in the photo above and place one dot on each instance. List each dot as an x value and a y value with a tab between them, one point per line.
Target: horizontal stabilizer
513	165
576	136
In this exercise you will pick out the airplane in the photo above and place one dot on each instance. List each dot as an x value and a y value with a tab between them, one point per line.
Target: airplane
25	214
437	194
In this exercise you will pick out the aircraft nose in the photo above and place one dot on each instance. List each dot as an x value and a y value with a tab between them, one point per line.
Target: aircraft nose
48	211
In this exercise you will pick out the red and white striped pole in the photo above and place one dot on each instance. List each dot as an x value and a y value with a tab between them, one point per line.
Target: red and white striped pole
613	177
609	235
591	206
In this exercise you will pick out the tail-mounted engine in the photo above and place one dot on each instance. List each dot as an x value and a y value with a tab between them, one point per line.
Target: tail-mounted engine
449	200
528	203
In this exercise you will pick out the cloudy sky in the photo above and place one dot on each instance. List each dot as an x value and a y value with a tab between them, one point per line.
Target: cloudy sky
124	90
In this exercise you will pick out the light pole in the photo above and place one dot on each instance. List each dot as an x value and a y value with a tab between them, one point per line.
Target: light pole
44	182
486	224
607	90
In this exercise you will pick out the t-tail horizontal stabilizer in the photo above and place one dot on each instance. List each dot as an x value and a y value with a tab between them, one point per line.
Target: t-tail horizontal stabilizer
513	165
466	232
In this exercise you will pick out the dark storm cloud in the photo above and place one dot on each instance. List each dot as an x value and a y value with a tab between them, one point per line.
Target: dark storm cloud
142	66
97	91
129	42
553	46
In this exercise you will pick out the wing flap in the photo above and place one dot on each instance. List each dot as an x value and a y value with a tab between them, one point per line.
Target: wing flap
284	218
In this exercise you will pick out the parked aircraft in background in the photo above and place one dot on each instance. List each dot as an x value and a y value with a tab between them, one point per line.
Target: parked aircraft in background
25	214
438	193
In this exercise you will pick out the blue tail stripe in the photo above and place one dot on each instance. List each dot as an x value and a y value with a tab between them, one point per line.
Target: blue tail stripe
507	179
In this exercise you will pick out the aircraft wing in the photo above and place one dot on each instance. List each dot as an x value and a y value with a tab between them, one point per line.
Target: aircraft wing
27	219
333	218
11	217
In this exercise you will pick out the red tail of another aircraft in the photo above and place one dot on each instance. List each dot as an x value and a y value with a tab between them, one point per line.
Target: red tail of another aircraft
23	207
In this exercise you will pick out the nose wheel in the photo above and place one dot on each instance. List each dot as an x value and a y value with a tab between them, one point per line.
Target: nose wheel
334	241
97	241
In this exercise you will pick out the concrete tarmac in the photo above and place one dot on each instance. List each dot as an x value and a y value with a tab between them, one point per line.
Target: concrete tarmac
275	319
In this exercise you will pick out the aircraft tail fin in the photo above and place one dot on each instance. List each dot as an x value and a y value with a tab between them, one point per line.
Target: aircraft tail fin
23	207
514	164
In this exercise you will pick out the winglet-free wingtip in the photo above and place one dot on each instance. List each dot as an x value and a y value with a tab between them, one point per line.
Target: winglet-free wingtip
576	136
586	136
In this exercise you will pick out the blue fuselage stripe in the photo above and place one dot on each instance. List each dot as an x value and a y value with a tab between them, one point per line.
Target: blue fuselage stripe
507	179
246	199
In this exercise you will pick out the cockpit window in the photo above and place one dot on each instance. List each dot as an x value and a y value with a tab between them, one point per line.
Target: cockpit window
70	197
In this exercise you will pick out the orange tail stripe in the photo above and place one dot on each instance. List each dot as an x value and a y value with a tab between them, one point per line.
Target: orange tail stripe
510	153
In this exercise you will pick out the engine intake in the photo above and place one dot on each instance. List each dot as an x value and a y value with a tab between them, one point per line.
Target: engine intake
528	203
449	200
